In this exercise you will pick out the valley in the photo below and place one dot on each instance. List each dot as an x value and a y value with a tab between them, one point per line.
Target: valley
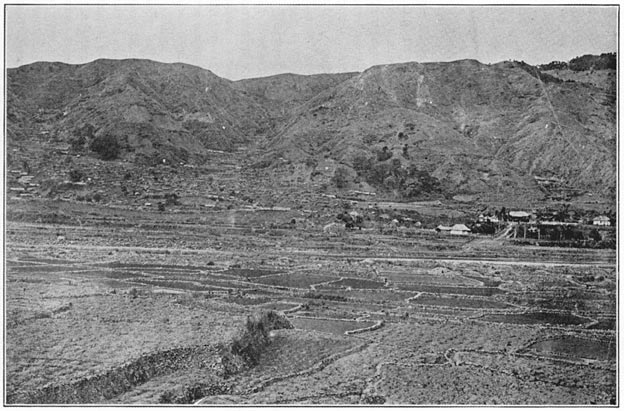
117	302
430	234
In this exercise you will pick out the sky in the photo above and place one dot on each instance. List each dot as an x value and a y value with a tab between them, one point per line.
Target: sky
247	41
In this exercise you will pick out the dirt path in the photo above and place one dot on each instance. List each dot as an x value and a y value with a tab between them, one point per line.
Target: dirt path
495	262
449	259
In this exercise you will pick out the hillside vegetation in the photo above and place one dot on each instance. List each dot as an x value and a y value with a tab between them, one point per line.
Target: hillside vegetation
466	126
407	131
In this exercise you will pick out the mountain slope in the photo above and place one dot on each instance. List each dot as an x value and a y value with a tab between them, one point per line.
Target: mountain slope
476	128
287	91
152	108
408	131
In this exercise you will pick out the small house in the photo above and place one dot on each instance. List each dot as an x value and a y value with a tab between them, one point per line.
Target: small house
443	228
488	219
519	216
460	229
602	220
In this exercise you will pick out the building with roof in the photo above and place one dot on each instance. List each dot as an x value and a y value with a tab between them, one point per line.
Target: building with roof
460	229
602	220
519	216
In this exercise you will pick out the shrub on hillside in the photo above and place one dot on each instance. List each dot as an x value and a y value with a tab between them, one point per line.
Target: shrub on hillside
172	199
80	136
369	139
76	175
77	142
250	342
410	182
591	62
405	151
361	163
341	177
384	154
310	162
107	146
554	65
535	72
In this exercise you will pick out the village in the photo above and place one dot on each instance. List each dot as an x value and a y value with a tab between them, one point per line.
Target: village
563	225
543	227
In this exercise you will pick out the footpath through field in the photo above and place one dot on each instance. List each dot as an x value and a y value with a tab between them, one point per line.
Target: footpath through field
458	259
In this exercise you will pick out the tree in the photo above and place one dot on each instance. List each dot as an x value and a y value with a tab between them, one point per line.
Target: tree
341	177
361	163
77	142
107	146
595	235
405	151
81	135
76	175
384	154
172	199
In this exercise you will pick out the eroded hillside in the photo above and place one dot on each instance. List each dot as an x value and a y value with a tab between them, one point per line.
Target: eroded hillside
405	131
166	110
475	128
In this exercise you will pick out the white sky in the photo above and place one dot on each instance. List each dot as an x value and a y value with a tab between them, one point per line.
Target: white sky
250	41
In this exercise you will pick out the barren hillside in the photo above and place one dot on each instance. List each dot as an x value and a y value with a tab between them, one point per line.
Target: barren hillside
171	110
407	131
283	93
475	128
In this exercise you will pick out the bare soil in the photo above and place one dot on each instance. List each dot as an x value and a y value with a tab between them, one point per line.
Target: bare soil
509	325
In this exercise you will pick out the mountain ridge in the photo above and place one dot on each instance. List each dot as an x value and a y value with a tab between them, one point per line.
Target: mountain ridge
464	126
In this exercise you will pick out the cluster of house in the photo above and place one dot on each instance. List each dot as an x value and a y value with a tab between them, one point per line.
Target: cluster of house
457	229
525	217
517	217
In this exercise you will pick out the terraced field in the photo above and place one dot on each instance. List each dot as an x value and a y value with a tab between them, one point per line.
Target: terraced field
391	321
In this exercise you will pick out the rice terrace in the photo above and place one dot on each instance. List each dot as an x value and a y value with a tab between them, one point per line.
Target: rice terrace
410	234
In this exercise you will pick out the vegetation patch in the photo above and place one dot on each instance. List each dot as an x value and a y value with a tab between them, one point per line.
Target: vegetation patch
117	380
247	301
43	269
250	342
157	267
279	306
42	260
249	272
333	326
355	283
487	282
446	280
435	289
535	318
386	173
294	280
379	296
179	285
325	296
570	346
118	275
604	324
458	302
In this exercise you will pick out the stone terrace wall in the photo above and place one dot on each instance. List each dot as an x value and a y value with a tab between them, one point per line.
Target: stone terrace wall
95	389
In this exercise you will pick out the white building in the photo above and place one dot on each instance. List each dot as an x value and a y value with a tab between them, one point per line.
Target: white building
602	220
460	229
